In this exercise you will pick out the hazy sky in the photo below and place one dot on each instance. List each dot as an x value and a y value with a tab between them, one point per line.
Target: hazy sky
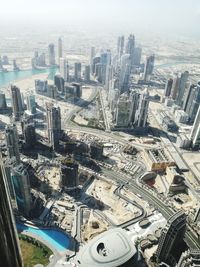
176	16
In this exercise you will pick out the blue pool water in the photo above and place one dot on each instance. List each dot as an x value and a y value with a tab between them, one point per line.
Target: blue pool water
11	76
55	238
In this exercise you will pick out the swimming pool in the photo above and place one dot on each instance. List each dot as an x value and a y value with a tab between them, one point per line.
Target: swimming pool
57	239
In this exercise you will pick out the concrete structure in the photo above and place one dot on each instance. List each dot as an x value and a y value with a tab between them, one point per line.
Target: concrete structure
112	248
20	179
3	104
59	82
168	87
51	51
149	66
124	76
183	141
120	46
96	150
77	71
181	116
29	135
9	245
130	46
175	86
157	159
171	238
137	56
189	258
41	86
53	118
12	139
123	111
142	109
182	88
92	55
16	102
175	180
195	134
192	102
69	173
87	73
64	69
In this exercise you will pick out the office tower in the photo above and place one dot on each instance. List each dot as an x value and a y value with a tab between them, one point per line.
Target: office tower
168	87
193	102
16	102
171	239
95	61
41	86
69	173
123	111
189	258
96	150
11	137
87	73
149	66
20	179
59	82
92	54
9	245
31	104
1	64
109	76
130	46
60	49
175	86
64	69
3	104
134	98
78	89
124	76
195	134
120	46
137	56
51	51
53	118
15	67
182	88
77	71
29	135
105	61
142	109
5	60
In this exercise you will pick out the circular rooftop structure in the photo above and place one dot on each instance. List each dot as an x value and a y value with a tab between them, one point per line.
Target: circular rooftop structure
112	248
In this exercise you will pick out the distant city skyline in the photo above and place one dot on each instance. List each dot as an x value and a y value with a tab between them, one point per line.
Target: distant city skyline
164	17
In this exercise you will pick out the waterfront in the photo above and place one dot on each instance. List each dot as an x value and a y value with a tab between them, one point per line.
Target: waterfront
8	77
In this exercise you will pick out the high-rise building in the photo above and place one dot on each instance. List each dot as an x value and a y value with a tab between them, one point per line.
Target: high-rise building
105	61
53	118
130	46
123	111
31	104
120	46
168	87
60	49
171	238
51	51
77	71
137	56
16	102
9	245
41	86
20	179
124	76
78	89
64	69
3	103
149	66
29	135
12	139
87	73
182	88
195	134
92	54
59	82
193	102
95	61
69	173
142	109
175	86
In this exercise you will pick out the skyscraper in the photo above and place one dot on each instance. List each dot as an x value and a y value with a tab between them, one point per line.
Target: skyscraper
105	61
130	46
171	238
87	73
120	46
137	56
9	245
77	71
29	135
92	54
189	258
142	109
20	179
149	66
3	103
182	88
51	50
64	69
11	137
193	102
59	82
124	76
60	49
69	173
31	105
123	111
168	87
53	118
195	134
16	102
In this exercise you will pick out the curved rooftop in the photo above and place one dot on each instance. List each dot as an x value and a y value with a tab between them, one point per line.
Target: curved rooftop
110	249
